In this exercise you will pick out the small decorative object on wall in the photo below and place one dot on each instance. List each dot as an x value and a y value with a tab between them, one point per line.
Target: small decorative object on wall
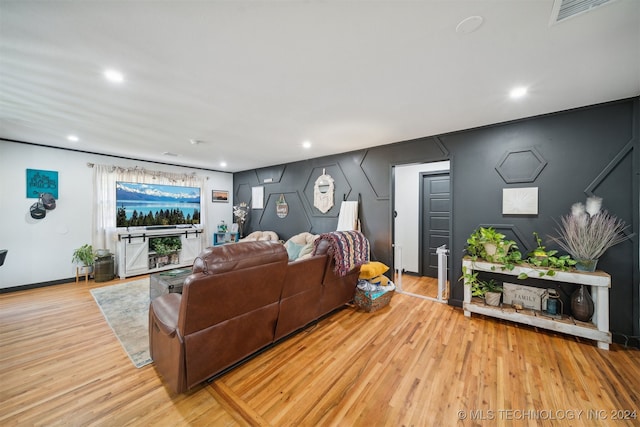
257	197
48	201
323	192
45	203
522	165
282	208
520	201
41	181
37	210
220	196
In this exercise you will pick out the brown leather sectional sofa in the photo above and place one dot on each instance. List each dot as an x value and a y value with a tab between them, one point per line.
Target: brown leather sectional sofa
240	299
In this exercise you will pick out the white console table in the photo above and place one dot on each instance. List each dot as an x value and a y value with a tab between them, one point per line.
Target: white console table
599	282
134	256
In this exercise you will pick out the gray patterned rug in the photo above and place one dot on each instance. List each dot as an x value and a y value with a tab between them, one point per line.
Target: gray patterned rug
126	308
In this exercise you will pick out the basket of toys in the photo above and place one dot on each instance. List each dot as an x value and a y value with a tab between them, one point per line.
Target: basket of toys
371	301
374	290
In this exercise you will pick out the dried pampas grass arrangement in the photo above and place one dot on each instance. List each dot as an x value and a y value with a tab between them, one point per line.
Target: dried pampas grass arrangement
589	231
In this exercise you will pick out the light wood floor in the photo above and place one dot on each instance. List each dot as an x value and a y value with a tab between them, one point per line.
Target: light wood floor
415	362
423	286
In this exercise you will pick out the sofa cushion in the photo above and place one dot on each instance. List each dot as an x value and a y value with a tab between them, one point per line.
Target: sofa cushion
293	250
259	236
305	251
300	246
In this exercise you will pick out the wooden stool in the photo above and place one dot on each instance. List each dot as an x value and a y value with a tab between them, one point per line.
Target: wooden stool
86	274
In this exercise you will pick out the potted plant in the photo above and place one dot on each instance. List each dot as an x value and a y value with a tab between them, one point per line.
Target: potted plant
490	245
165	245
84	256
489	290
547	259
492	292
165	249
588	232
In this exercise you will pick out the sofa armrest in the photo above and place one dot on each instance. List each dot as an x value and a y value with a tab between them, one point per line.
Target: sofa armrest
166	309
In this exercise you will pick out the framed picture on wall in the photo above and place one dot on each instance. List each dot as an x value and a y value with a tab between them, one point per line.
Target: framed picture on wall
520	201
41	181
220	196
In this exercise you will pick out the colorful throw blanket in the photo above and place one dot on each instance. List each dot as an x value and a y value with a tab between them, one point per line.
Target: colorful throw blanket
350	249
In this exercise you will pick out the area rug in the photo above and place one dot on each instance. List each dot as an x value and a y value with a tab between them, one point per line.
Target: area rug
126	308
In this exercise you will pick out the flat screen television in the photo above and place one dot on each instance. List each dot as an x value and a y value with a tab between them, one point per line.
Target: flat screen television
139	205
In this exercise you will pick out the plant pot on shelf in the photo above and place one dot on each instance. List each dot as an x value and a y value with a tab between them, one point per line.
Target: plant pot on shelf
491	248
492	298
588	265
85	269
174	258
162	260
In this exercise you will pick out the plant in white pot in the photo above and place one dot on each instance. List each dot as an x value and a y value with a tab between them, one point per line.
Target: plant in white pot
492	292
84	257
489	290
588	232
488	244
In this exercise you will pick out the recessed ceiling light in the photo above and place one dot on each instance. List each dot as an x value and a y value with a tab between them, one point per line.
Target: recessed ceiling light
196	142
518	92
114	76
73	138
223	164
306	144
469	25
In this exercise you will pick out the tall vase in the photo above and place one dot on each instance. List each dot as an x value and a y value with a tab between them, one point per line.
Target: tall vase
582	304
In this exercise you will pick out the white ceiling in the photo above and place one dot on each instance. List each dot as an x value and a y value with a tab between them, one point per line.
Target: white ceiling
254	79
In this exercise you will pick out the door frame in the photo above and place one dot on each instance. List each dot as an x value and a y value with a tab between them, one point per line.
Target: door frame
392	216
421	243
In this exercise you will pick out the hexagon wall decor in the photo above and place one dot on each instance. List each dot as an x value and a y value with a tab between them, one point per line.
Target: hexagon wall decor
517	166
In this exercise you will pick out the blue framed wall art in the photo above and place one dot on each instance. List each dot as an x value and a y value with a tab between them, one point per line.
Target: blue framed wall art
41	181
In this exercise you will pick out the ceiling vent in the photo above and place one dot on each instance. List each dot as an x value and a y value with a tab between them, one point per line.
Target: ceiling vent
565	9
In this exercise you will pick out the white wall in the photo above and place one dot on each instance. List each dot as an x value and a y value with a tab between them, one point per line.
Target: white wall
407	205
40	250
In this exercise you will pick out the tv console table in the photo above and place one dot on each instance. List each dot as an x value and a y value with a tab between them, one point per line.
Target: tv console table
135	257
600	282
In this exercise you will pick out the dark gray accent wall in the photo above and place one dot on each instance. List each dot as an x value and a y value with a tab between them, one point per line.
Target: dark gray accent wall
567	155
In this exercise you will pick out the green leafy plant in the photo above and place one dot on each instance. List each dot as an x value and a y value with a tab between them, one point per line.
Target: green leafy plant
485	286
165	245
479	287
84	255
547	259
490	245
469	278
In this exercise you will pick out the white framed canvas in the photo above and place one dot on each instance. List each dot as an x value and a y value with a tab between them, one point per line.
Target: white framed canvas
257	197
520	201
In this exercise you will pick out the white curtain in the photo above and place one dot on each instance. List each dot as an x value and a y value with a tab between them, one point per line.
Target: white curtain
104	197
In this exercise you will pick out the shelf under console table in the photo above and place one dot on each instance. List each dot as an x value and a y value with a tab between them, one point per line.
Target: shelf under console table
600	282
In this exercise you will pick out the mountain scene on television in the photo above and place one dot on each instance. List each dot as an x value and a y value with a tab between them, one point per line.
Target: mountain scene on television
156	204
